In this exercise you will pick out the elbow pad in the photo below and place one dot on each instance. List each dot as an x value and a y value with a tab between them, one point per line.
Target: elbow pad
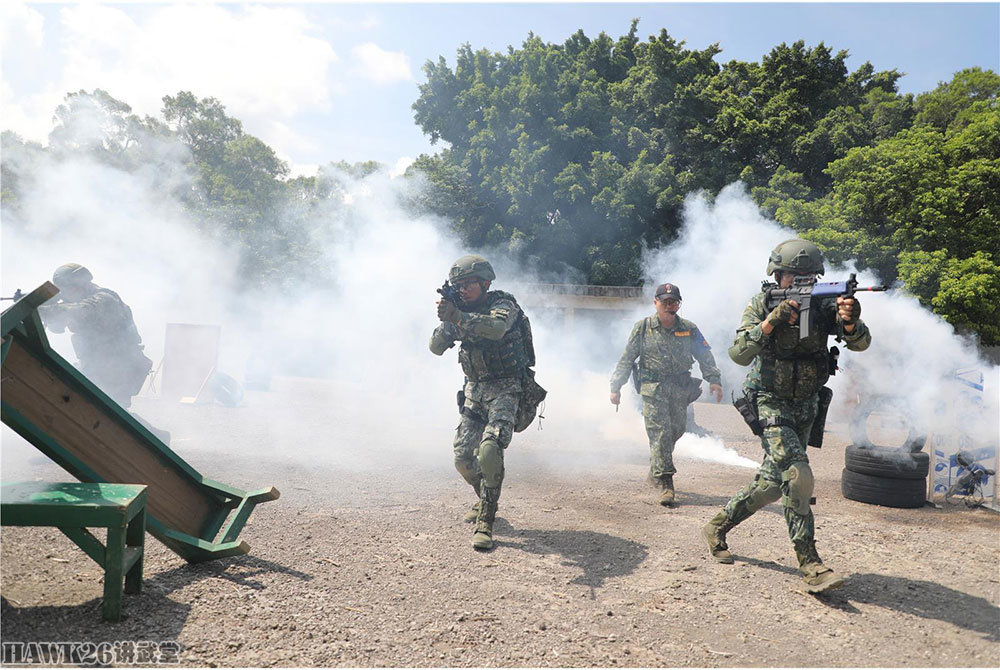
439	343
742	352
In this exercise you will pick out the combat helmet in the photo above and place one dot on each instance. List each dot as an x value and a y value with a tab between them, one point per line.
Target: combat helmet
801	256
471	266
71	274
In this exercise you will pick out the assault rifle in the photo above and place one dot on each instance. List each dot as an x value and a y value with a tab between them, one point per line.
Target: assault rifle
450	293
805	290
18	294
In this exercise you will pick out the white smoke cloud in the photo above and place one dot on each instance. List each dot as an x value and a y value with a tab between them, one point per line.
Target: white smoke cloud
385	395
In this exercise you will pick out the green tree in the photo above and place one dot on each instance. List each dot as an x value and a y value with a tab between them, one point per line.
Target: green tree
578	153
921	206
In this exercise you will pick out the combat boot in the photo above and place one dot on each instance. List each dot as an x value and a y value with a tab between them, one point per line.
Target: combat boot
667	494
819	578
482	537
816	576
473	514
714	534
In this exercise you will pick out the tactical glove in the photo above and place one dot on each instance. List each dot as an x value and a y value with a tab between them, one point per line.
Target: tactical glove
447	311
781	314
853	314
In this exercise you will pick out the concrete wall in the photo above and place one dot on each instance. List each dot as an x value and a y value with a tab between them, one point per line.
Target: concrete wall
569	299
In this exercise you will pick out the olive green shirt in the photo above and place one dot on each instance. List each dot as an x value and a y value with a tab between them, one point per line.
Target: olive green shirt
666	352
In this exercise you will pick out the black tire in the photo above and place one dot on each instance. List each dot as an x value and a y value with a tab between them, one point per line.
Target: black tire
225	389
915	440
886	462
904	493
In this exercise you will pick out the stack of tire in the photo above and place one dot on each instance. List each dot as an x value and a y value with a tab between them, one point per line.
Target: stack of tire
887	476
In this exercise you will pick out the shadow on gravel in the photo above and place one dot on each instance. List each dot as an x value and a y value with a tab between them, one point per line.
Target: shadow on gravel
598	555
919	598
149	615
145	616
240	570
769	565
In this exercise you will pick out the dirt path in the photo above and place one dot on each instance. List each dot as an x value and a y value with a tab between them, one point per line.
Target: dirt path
372	567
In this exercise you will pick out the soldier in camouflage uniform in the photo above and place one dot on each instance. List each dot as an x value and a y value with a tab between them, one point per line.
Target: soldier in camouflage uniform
105	339
495	354
666	346
785	377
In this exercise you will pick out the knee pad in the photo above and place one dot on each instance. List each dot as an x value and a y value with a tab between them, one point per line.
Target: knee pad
491	462
763	494
798	484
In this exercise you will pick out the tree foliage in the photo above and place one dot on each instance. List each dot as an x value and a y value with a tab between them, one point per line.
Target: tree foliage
578	154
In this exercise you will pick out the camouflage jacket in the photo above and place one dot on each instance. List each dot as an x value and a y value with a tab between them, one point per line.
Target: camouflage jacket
782	363
667	355
495	337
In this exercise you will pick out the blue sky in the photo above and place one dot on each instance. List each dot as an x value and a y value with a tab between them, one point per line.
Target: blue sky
322	82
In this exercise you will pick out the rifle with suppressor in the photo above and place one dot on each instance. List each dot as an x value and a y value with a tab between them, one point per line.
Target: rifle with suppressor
804	290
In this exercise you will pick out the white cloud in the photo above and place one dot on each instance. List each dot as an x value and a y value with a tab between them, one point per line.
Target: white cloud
381	66
20	26
400	167
263	63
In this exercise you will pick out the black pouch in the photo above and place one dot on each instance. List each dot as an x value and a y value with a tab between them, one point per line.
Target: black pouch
636	384
819	423
746	405
694	389
461	400
833	355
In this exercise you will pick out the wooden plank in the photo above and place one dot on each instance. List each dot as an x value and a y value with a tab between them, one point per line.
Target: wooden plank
19	311
113	452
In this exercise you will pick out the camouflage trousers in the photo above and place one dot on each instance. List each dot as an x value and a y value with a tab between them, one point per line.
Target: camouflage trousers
489	413
784	446
665	414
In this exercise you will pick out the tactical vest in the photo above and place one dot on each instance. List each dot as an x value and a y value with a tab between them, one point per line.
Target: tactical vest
110	335
483	359
796	368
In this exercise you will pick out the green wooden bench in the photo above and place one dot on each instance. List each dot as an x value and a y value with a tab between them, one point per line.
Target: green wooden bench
75	507
64	415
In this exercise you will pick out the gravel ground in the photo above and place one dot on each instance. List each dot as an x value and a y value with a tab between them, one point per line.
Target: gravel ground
363	563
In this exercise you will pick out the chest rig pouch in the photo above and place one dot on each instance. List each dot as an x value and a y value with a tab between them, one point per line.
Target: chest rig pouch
791	367
484	360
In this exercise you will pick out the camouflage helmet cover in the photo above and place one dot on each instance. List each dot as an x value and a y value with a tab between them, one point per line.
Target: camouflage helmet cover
71	274
471	266
796	255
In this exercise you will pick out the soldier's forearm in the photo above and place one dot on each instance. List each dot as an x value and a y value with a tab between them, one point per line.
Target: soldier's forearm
483	325
620	376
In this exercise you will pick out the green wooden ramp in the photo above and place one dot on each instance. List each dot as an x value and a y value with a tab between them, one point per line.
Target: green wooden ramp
54	407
